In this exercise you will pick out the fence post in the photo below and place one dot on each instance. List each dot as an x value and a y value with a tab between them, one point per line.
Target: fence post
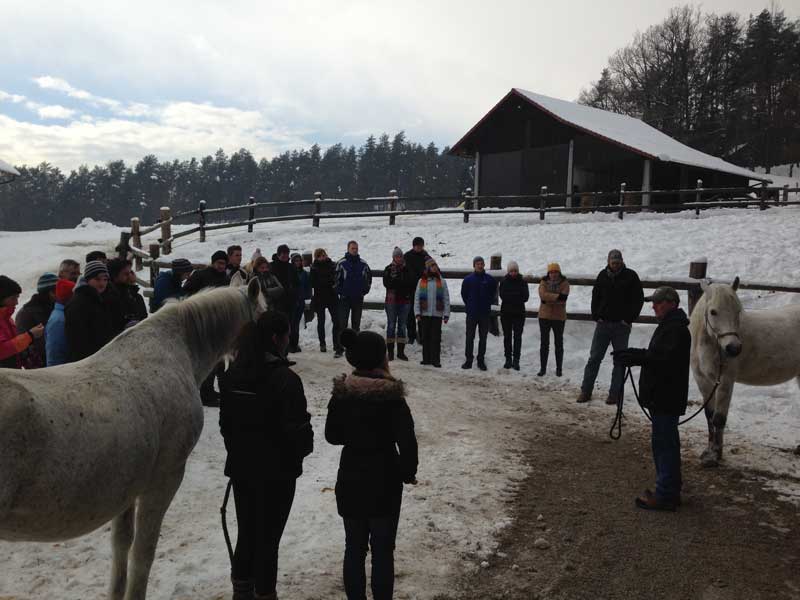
202	220
467	203
697	270
621	213
786	193
392	205
698	197
136	241
317	209
542	202
762	198
123	246
166	229
496	261
251	214
155	252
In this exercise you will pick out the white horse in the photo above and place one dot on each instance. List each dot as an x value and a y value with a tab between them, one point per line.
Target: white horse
107	438
730	344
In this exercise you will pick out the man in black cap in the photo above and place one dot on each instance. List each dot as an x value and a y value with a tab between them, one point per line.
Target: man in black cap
88	320
213	275
415	259
664	391
617	299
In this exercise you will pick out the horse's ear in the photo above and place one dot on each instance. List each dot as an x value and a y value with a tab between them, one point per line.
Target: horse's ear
704	283
735	284
253	290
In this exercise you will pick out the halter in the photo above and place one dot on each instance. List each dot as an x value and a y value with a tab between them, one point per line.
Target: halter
718	335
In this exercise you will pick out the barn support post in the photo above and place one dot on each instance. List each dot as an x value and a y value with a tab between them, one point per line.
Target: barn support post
155	252
201	220
698	269
476	176
136	240
317	209
392	205
542	202
647	181
166	229
570	201
467	203
251	214
621	213
698	197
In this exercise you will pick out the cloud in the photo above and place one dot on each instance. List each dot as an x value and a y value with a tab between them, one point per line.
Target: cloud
54	111
14	98
57	84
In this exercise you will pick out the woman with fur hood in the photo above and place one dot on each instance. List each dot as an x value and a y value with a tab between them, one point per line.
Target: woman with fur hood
368	415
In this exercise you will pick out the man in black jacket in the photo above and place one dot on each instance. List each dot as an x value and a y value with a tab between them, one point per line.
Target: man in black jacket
415	259
37	312
286	273
124	294
323	283
88	319
213	275
664	390
617	299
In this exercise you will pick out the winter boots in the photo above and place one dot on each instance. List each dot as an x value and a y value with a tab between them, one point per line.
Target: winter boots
508	363
401	351
323	347
467	364
242	589
515	364
390	350
481	364
584	397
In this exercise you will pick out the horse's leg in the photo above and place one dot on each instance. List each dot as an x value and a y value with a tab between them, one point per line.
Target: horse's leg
707	458
150	509
121	538
722	403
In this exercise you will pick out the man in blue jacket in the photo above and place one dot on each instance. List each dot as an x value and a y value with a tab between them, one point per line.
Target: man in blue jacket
169	284
478	291
353	280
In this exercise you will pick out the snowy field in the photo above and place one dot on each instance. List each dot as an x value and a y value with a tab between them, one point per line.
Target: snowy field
468	424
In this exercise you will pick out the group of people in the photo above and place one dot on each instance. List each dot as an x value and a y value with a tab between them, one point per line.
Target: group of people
71	315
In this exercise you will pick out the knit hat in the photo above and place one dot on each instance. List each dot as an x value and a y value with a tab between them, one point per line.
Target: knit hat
364	350
429	262
614	255
181	265
95	269
64	289
512	266
296	255
219	255
477	259
397	252
553	266
8	288
46	282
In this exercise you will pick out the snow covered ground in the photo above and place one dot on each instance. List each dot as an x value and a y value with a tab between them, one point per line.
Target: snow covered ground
469	424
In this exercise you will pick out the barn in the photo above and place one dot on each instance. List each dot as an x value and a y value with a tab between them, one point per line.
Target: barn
529	140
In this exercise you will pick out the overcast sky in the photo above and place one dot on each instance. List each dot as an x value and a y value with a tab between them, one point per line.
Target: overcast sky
93	81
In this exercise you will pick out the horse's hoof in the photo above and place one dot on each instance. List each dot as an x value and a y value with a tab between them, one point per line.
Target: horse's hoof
709	459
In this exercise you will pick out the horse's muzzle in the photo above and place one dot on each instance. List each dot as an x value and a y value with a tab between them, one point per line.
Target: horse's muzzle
733	349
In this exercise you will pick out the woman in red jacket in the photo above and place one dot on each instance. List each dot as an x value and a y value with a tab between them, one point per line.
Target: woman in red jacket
13	344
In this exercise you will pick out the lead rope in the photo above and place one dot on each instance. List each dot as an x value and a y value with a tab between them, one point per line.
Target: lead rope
223	511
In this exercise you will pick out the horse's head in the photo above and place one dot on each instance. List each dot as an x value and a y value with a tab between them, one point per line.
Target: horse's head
258	302
722	313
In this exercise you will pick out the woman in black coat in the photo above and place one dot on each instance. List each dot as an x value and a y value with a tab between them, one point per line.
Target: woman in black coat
368	415
267	431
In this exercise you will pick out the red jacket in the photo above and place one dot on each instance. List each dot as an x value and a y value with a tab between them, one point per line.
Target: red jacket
11	343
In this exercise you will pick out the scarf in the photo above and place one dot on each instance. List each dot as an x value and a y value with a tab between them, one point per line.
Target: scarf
423	294
554	287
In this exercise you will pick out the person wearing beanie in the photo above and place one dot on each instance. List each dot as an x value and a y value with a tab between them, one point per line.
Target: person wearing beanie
214	275
13	344
303	293
55	336
169	284
368	416
514	293
553	294
400	285
431	309
617	299
89	319
36	311
289	278
323	282
353	282
415	259
478	291
123	294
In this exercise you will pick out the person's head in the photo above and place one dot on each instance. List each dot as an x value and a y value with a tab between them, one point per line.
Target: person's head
235	256
283	253
665	299
64	289
352	248
9	292
96	275
297	260
365	350
320	254
260	265
181	268
267	334
46	286
119	271
397	256
96	255
431	268
69	269
615	262
418	244
513	268
554	271
219	261
478	264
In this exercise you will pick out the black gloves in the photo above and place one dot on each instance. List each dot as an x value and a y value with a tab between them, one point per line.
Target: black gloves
630	357
562	297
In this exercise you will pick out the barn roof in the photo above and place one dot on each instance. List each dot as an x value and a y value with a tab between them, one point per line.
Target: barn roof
7	168
627	132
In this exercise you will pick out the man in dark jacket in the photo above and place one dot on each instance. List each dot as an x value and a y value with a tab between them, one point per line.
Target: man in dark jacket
353	281
129	304
169	284
664	390
323	283
617	299
415	259
88	320
514	293
286	273
37	312
213	275
478	291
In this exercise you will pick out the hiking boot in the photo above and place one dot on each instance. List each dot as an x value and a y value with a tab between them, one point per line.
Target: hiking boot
323	347
424	362
612	400
270	596
507	365
467	364
437	365
559	373
481	364
676	501
515	365
390	350
401	352
242	589
583	397
541	373
650	502
338	353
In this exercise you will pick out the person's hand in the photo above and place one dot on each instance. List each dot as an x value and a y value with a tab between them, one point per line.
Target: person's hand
419	318
37	331
562	297
626	323
445	320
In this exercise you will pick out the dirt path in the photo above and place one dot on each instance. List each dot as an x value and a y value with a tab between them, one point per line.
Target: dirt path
731	539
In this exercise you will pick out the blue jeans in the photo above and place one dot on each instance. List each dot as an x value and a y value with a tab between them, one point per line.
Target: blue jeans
397	315
605	333
666	443
378	533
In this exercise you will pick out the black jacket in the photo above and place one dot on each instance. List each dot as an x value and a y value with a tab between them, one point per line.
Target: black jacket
617	298
416	262
368	415
89	323
323	282
127	304
664	379
264	421
400	284
290	280
514	293
37	310
204	278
